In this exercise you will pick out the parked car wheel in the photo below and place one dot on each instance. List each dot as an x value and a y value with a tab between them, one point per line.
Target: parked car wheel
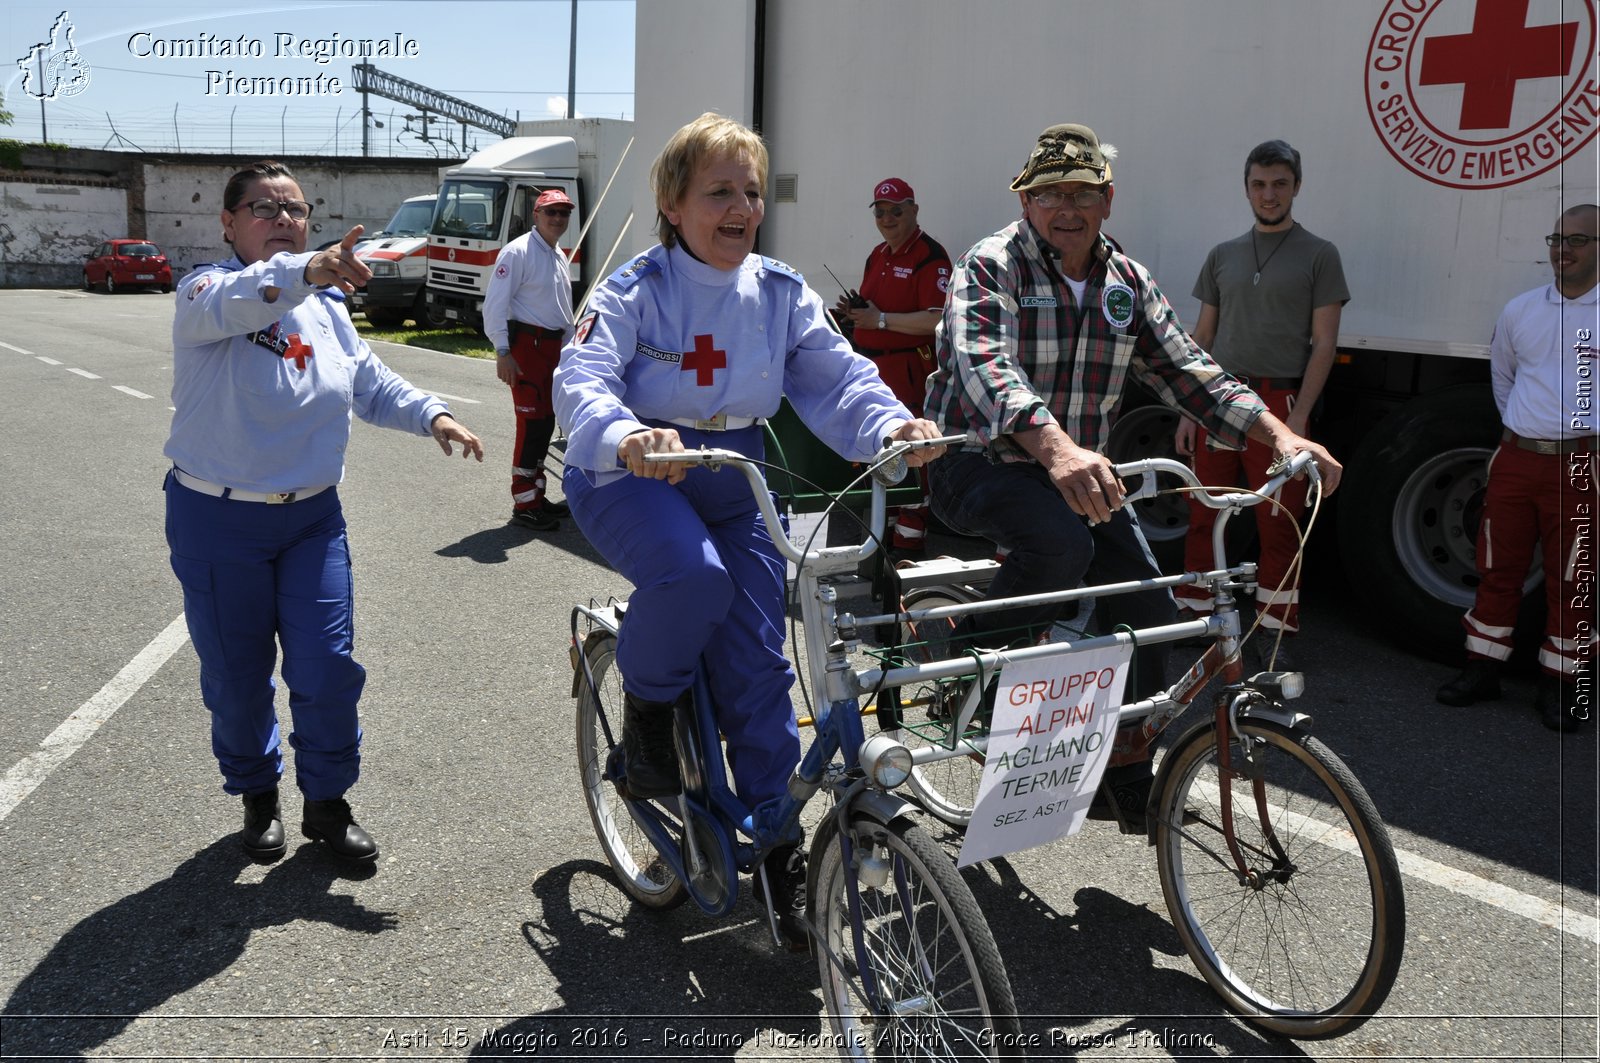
111	285
385	316
88	285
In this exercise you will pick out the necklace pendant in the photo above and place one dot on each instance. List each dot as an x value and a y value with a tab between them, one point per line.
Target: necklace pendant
1256	279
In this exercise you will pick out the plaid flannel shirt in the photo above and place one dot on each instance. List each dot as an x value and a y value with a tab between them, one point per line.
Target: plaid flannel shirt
1015	353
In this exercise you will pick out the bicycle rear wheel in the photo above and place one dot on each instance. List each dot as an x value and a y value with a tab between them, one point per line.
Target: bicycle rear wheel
1312	947
942	988
947	788
643	874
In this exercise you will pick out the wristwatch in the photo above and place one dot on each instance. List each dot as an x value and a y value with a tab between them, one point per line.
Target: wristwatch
883	322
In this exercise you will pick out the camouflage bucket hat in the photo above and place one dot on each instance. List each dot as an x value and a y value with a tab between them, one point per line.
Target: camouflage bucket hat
1066	153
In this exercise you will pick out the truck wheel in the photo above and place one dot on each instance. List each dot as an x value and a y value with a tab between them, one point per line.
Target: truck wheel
430	314
385	317
1146	431
1409	515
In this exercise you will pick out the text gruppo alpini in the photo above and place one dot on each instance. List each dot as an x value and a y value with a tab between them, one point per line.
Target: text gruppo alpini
319	50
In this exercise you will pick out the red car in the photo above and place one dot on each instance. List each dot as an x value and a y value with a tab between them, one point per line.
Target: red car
127	264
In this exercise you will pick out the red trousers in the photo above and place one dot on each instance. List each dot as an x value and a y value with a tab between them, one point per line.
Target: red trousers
1535	500
906	373
1278	609
536	417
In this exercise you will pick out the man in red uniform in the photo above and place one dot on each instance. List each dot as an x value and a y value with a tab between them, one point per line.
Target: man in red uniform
1542	483
527	315
903	289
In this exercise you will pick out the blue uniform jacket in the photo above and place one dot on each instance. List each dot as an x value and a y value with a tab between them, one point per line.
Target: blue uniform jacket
264	391
668	336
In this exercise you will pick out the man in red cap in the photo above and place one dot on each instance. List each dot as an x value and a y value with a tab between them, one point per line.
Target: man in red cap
527	315
902	291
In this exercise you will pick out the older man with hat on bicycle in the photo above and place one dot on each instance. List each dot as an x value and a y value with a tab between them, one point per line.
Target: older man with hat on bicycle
1046	325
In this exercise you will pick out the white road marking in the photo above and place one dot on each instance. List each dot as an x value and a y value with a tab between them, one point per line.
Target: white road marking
46	361
1412	865
29	772
456	398
129	391
83	373
19	350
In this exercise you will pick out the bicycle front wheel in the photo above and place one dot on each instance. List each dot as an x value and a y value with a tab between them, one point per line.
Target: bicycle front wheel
644	875
948	788
1309	945
940	990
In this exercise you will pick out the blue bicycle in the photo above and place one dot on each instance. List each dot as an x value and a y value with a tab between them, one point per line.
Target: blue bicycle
907	962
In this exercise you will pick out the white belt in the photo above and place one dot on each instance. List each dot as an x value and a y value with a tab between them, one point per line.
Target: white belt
720	423
206	487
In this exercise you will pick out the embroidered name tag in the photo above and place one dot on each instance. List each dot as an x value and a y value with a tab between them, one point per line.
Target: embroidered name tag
1038	300
658	354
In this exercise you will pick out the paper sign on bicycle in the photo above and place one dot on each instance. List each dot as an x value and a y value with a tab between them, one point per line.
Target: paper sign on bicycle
1049	742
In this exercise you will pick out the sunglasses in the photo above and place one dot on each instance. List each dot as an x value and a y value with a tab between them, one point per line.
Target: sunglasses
893	212
267	209
556	213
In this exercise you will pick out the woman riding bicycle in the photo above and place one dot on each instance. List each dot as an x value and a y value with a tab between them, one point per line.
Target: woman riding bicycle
692	344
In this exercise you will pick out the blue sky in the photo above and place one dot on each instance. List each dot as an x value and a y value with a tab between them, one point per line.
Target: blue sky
507	56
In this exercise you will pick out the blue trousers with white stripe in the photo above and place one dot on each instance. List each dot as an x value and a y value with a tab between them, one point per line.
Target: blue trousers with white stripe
709	587
256	576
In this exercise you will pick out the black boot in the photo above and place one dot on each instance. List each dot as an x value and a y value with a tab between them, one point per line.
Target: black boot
263	826
1557	704
785	869
650	758
1124	796
1478	681
332	822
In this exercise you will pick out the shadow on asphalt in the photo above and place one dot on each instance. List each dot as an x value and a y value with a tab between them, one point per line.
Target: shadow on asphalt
129	958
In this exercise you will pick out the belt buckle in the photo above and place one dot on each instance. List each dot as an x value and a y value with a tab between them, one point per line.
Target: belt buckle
717	423
280	497
1546	446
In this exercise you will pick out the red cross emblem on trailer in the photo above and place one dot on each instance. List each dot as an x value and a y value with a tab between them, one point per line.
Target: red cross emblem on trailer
1483	93
703	361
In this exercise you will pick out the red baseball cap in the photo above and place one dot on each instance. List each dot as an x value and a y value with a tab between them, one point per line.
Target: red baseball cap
550	199
892	190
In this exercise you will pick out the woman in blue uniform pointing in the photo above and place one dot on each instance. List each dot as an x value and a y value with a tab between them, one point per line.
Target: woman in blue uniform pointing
267	370
689	346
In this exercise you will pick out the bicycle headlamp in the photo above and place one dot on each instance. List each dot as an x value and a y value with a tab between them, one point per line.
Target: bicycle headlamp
886	762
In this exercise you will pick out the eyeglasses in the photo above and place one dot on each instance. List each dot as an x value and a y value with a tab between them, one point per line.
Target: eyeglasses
268	209
1083	198
893	212
556	213
1575	241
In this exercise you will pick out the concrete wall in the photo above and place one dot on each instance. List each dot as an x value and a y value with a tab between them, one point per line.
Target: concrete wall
62	203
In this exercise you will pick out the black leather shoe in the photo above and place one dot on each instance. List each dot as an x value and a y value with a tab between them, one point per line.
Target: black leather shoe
1478	681
649	755
786	870
1272	655
263	826
332	822
539	519
557	509
1557	704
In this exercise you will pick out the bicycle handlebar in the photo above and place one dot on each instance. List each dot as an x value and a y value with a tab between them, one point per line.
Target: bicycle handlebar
888	466
1281	472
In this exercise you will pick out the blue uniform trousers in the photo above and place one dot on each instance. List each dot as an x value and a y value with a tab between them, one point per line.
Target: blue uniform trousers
1051	548
709	585
255	575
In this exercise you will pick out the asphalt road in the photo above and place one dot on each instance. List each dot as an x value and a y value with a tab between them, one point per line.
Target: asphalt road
131	925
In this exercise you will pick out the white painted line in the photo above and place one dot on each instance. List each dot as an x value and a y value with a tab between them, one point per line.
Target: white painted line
1412	865
19	350
83	373
456	398
46	361
130	391
32	770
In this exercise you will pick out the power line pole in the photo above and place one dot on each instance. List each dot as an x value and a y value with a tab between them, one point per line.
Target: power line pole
572	66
